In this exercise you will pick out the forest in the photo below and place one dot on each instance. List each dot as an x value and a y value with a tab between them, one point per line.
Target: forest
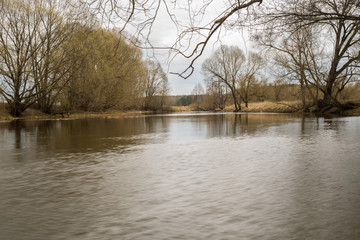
59	56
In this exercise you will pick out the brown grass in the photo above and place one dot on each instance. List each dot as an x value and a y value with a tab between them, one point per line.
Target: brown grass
34	114
281	107
181	108
272	107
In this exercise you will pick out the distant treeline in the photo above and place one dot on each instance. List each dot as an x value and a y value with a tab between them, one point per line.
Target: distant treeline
210	100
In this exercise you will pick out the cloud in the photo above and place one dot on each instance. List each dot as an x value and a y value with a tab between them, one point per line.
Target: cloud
164	34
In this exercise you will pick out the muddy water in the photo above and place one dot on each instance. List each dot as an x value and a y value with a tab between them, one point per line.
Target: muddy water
184	176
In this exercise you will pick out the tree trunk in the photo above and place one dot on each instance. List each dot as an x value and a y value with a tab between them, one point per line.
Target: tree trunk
236	102
15	105
327	99
303	96
15	108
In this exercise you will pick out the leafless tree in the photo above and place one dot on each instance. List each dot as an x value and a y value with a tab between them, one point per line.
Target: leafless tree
216	95
248	80
52	65
156	86
226	65
18	27
332	25
194	21
229	66
298	58
198	93
33	65
278	87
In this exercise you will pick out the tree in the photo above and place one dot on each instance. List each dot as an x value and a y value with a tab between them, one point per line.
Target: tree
338	41
225	66
34	66
278	87
184	101
18	26
298	58
197	93
229	66
185	17
248	79
52	65
216	94
156	86
110	75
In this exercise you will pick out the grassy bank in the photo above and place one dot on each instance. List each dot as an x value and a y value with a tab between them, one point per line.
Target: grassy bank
270	107
288	107
33	114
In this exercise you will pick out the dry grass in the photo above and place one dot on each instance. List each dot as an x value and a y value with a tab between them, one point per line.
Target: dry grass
272	107
353	112
181	108
281	107
4	116
109	114
34	114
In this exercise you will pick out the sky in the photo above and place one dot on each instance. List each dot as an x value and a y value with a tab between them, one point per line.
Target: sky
180	86
164	34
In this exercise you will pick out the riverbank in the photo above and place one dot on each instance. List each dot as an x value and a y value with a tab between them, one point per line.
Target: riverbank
34	114
290	107
270	107
263	107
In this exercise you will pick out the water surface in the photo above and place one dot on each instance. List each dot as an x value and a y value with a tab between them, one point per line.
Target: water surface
182	176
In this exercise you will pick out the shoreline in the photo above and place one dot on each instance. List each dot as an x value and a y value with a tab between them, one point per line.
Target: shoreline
263	107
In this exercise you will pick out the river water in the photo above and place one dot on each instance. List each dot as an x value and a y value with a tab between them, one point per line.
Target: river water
181	176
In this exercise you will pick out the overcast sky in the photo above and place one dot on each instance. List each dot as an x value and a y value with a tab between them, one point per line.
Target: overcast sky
180	86
164	34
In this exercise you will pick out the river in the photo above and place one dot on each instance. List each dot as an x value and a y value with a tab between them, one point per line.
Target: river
181	176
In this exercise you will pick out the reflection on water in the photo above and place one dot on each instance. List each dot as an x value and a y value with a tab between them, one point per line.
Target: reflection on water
184	176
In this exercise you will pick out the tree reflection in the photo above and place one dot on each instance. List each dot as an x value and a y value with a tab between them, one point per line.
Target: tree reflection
80	136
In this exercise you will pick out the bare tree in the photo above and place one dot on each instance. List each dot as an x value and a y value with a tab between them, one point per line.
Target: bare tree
216	95
298	58
229	66
156	86
18	27
248	80
34	66
225	65
338	38
52	65
198	93
278	87
194	21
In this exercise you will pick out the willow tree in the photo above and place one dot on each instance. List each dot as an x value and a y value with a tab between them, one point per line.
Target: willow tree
110	74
